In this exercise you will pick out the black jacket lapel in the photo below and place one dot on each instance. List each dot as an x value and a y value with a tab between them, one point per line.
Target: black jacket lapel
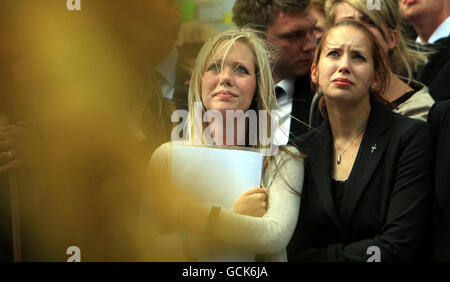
319	155
369	155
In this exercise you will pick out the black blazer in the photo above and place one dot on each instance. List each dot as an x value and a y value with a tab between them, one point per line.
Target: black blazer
181	90
301	104
387	198
439	118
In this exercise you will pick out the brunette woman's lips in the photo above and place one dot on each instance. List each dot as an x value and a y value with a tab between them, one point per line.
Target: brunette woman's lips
342	81
224	95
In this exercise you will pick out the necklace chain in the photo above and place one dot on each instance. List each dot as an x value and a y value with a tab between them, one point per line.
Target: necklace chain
339	155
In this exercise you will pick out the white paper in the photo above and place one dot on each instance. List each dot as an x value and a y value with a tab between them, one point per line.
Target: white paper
217	177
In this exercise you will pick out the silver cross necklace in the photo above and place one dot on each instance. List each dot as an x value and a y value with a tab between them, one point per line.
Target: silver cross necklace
339	155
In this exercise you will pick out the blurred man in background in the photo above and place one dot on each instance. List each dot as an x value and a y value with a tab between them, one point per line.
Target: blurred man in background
289	25
431	20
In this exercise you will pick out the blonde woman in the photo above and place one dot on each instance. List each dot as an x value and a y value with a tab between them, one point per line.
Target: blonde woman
232	72
409	97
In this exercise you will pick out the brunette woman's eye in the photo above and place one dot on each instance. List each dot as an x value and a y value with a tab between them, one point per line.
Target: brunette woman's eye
333	54
359	57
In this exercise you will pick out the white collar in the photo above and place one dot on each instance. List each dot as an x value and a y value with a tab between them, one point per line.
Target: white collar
167	67
442	31
288	86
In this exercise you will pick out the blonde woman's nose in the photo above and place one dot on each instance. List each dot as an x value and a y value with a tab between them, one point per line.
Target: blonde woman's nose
225	77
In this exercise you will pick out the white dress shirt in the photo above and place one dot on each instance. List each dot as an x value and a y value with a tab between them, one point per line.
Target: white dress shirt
167	69
442	31
285	102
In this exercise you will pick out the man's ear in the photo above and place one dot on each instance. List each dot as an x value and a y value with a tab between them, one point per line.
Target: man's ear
314	74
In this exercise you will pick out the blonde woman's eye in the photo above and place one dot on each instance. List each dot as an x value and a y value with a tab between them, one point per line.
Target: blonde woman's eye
214	68
242	69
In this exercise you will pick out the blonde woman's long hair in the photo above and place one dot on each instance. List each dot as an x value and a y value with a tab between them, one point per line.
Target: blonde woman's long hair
265	98
264	57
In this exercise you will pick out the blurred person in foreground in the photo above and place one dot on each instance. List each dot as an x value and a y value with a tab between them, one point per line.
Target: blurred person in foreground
90	94
16	133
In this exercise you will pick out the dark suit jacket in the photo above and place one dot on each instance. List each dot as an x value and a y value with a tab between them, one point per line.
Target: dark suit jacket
439	118
300	106
386	200
181	91
435	74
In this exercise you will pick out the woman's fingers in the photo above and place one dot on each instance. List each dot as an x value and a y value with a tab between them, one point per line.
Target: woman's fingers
260	194
252	202
254	190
